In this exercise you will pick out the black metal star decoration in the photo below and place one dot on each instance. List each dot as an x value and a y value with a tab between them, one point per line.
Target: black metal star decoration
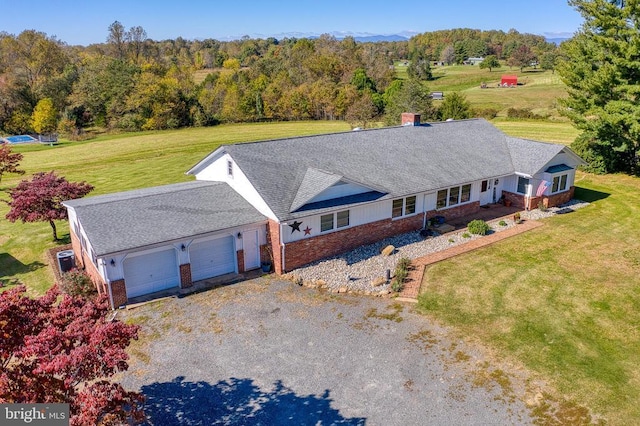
295	226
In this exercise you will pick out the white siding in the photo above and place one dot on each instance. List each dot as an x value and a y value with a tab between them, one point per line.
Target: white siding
217	172
359	215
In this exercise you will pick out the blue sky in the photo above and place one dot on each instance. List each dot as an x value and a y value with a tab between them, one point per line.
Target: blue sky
86	22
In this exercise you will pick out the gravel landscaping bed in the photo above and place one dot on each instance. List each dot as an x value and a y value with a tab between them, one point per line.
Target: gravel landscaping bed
358	271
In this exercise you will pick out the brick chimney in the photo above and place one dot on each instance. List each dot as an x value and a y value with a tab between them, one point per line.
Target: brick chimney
410	119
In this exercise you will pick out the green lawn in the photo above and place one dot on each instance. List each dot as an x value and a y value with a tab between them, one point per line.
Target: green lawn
117	163
564	299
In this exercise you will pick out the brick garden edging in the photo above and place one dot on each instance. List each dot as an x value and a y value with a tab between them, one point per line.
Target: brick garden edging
414	280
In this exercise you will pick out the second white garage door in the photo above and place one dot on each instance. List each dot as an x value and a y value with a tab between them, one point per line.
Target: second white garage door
212	258
151	272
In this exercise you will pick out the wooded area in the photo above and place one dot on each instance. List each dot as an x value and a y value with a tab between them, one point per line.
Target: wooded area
132	82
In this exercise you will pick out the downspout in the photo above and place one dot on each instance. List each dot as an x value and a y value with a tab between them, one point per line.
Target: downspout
424	213
108	282
282	251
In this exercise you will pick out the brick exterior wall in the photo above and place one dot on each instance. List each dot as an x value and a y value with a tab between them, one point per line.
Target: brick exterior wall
456	212
85	262
240	258
305	251
185	276
119	293
273	243
519	200
557	199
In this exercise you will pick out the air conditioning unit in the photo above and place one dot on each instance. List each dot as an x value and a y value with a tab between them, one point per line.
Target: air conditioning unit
66	260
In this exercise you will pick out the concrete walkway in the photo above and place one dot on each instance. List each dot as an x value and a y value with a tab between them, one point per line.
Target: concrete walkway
411	289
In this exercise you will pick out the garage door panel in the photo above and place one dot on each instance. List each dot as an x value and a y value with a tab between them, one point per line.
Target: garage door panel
212	258
151	272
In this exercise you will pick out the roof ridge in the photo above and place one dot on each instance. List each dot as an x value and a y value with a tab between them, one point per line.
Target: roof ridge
128	195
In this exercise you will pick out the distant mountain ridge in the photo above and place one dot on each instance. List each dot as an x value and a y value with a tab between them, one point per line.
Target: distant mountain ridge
362	37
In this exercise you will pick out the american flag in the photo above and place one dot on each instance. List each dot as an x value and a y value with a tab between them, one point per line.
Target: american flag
542	187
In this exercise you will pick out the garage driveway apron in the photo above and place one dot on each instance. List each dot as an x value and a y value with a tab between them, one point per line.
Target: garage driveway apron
269	352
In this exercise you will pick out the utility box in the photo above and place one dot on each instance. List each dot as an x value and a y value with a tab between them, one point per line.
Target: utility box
66	260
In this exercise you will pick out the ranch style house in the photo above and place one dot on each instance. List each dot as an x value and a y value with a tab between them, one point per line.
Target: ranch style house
298	200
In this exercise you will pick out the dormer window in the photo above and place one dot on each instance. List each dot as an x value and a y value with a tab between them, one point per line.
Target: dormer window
229	168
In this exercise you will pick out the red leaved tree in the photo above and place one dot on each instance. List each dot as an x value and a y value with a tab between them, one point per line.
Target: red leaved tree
40	199
62	349
9	161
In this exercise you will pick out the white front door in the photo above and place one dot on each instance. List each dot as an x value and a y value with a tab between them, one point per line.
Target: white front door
251	247
486	192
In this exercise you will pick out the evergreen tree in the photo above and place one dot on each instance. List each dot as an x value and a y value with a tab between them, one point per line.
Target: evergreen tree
455	106
600	70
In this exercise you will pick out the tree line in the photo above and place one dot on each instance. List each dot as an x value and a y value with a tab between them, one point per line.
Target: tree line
132	82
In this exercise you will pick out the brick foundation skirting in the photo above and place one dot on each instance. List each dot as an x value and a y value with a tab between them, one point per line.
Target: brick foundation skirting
185	276
309	250
119	293
84	262
520	201
240	259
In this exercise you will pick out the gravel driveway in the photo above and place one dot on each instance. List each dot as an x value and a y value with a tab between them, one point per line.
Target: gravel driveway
268	352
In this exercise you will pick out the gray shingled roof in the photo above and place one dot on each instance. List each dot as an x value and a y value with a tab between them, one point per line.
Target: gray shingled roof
396	161
529	157
135	219
314	182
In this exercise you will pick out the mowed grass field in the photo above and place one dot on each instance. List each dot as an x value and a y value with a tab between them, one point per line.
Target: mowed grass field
563	299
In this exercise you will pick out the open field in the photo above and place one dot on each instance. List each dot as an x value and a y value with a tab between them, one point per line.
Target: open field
563	300
117	163
539	90
539	130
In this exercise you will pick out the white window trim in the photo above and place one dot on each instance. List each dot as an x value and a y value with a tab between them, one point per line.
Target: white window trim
335	226
559	176
404	207
459	203
526	186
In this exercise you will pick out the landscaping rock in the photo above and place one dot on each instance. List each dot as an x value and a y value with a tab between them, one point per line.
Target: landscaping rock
388	250
379	281
364	265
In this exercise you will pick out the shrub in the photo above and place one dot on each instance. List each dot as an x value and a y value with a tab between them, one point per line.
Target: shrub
466	235
517	218
486	113
404	263
478	227
401	272
542	207
502	223
451	240
524	113
78	283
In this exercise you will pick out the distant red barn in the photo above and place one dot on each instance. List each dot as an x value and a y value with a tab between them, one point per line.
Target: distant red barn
509	80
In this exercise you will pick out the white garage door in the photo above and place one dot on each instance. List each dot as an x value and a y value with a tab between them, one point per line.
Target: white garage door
212	258
151	272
